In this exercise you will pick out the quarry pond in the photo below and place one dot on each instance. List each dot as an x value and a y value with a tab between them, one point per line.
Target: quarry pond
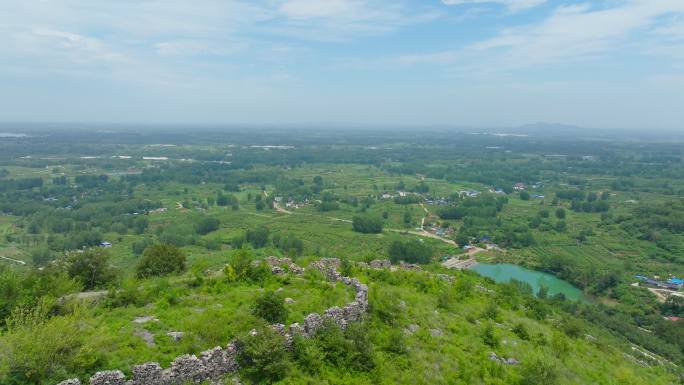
504	272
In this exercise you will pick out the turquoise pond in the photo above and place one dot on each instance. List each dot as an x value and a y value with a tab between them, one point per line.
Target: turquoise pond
504	272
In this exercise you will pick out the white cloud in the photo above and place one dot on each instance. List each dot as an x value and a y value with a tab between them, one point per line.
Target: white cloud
309	9
513	5
190	47
336	20
570	34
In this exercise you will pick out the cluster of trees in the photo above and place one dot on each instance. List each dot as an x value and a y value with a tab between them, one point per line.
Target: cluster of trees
410	251
583	201
367	224
261	236
483	206
407	199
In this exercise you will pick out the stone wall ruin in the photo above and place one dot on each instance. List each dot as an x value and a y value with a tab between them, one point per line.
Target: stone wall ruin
217	363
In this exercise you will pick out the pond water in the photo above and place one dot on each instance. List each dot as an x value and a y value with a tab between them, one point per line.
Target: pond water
504	272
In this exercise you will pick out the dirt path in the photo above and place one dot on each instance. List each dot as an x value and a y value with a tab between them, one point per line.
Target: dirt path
424	234
663	294
280	209
422	220
13	260
455	263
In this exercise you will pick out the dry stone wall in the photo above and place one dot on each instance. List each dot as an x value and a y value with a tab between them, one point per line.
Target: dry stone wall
219	362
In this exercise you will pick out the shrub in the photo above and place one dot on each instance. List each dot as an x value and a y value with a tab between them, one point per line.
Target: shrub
521	331
489	336
539	369
491	311
207	225
41	350
395	342
263	356
307	354
386	306
138	247
158	260
350	348
271	307
572	327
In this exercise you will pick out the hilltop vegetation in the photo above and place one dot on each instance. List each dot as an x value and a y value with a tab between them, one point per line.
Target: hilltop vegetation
175	240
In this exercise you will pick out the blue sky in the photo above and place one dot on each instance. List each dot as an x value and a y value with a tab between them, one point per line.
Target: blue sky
608	64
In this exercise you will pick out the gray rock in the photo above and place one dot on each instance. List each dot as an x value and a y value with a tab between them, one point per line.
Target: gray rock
289	301
108	377
312	323
337	315
295	329
146	335
409	266
217	362
147	374
352	312
146	319
176	336
412	328
73	381
380	264
279	328
186	368
436	332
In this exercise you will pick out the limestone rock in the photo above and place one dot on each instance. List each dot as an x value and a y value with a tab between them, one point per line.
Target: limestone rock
73	381
176	336
147	374
380	264
186	368
108	377
146	319
312	323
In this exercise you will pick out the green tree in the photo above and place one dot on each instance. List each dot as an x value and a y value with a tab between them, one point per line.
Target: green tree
407	217
561	226
524	195
271	307
159	260
90	267
258	237
560	213
263	356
